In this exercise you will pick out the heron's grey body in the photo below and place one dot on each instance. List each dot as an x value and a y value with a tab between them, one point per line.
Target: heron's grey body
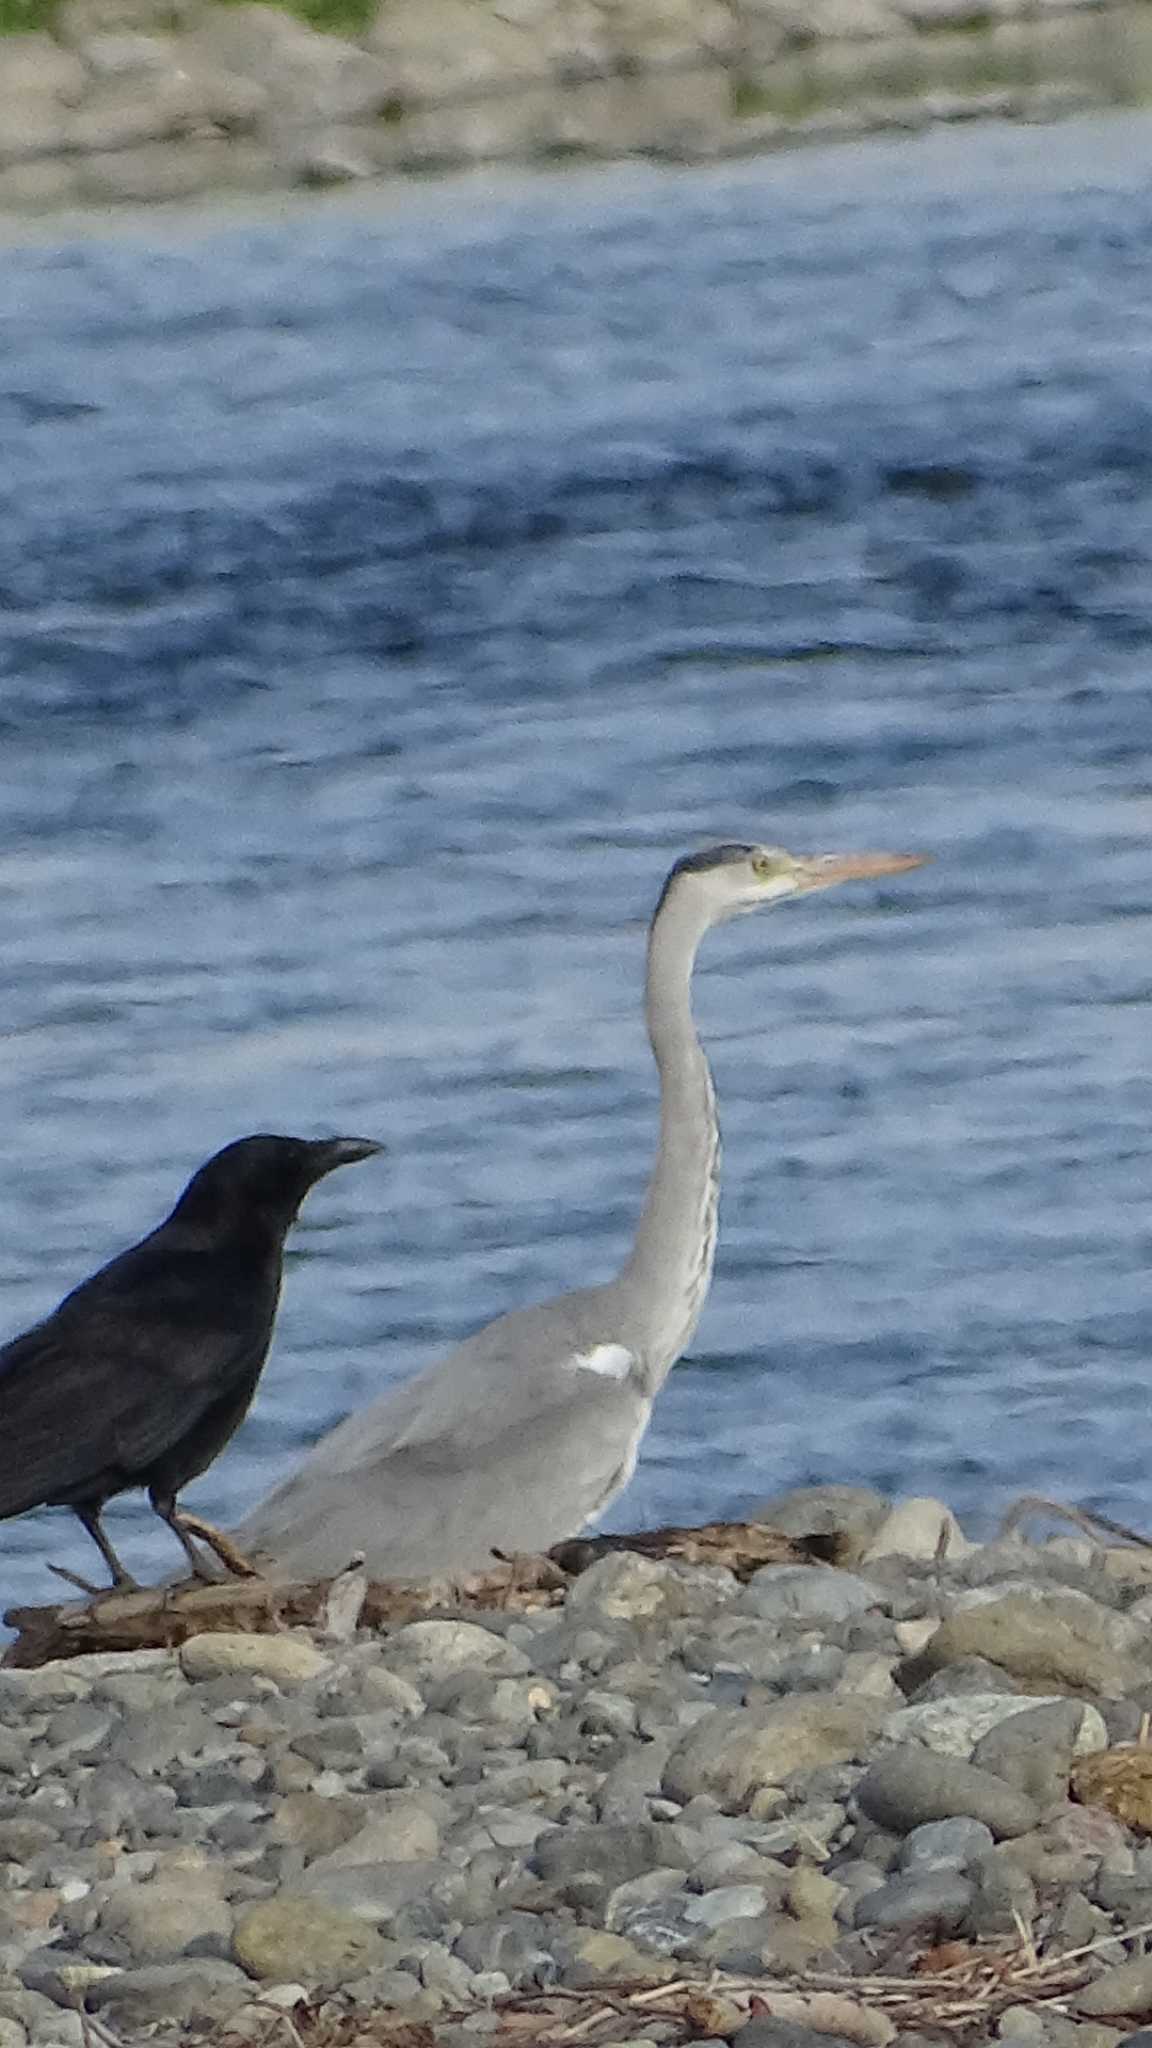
526	1432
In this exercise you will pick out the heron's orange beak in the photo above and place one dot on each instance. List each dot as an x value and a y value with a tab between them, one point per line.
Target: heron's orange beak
823	870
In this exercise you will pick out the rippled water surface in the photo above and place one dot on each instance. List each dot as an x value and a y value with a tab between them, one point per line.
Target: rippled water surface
389	593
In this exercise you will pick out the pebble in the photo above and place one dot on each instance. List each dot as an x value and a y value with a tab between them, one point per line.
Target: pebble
935	1900
669	1773
909	1785
732	1753
952	1726
286	1660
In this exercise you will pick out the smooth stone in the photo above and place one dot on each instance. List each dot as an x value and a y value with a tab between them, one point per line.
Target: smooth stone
150	1739
1123	1989
808	1592
811	1895
201	1987
909	1785
631	1902
52	1685
595	1958
285	1659
727	1902
769	2033
614	1855
734	1752
305	1939
370	1891
1003	1900
920	1528
626	1587
945	1844
407	1833
954	1725
1034	1750
316	1826
437	1649
1059	1639
158	1921
514	1943
851	1513
931	1899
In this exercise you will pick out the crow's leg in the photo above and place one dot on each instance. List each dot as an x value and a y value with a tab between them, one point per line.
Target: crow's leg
122	1580
240	1566
164	1505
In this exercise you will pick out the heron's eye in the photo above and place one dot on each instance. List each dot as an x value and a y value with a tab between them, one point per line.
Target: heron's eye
768	865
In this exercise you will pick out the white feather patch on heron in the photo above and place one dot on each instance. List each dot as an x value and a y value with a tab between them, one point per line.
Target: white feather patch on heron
611	1361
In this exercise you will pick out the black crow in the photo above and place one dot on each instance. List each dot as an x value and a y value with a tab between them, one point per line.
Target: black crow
145	1371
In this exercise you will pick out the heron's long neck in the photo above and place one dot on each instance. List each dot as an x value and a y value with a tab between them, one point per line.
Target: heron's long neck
667	1275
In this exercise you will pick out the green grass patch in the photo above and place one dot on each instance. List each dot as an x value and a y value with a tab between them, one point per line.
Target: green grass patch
20	17
790	92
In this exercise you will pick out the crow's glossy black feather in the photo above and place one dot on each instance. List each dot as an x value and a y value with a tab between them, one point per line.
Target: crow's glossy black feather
143	1373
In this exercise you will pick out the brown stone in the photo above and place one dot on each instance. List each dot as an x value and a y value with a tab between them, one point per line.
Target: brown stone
1119	1780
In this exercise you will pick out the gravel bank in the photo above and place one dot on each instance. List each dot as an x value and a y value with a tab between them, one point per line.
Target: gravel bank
133	101
818	1775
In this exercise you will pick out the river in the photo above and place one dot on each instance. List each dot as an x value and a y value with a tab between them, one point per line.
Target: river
391	588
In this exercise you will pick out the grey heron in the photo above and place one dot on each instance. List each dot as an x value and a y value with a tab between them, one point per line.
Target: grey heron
523	1435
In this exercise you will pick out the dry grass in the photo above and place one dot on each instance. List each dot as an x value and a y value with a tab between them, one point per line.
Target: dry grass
958	1989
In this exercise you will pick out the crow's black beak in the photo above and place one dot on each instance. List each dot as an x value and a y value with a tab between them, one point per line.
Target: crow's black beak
346	1151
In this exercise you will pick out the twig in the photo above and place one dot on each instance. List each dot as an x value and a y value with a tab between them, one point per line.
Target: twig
1083	1518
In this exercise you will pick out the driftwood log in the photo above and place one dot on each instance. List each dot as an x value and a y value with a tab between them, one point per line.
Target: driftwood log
161	1617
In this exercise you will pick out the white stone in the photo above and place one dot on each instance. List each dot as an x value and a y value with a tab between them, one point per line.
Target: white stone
437	1649
727	1902
287	1660
922	1528
954	1725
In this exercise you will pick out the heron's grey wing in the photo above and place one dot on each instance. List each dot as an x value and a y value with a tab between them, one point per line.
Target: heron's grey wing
515	1439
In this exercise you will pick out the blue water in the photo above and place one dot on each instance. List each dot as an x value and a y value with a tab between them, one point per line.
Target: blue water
390	591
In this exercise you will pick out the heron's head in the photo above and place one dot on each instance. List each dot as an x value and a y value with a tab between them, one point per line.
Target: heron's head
726	881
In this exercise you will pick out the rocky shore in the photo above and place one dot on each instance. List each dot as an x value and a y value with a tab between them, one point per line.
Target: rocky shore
142	100
906	1799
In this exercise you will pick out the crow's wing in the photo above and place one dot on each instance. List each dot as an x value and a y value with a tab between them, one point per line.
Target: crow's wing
123	1370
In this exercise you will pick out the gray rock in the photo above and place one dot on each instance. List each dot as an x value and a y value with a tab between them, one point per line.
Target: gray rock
733	1753
511	1943
933	1900
1124	1989
1059	1639
1034	1750
426	1650
632	1901
738	1642
152	1739
953	1726
963	1678
157	1922
613	1855
1003	1899
909	1785
405	1832
809	1593
727	1902
853	1513
370	1891
285	1939
206	1989
769	2033
288	1660
945	1845
626	1587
